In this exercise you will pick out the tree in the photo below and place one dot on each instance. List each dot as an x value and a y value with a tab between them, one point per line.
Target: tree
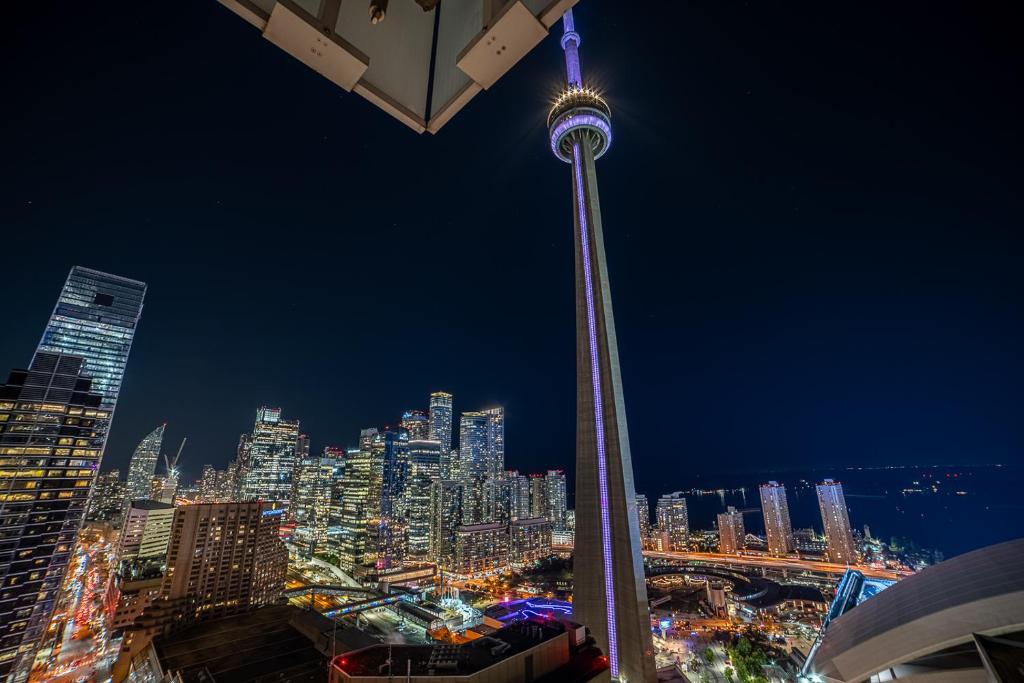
709	655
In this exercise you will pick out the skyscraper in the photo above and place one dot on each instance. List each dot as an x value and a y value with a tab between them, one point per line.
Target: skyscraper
609	593
777	528
495	448
555	504
441	419
836	521
222	559
538	496
424	470
474	463
271	457
95	319
498	499
311	504
389	467
445	520
674	519
355	504
731	533
52	431
417	424
520	495
142	466
643	516
241	466
107	499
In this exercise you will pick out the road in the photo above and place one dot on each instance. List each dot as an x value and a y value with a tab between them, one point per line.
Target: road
783	563
81	647
788	563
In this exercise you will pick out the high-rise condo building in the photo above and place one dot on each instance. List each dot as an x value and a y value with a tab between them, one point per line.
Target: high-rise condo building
52	431
836	521
520	495
108	497
481	549
272	451
441	419
555	503
417	424
731	533
538	496
474	463
674	519
142	466
643	516
777	528
499	495
609	592
424	470
222	559
530	541
146	531
445	520
95	319
495	441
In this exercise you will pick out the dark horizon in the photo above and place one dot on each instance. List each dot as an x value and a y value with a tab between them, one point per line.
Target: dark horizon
811	215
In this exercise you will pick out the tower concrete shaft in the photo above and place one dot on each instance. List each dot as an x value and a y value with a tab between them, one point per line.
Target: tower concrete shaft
609	591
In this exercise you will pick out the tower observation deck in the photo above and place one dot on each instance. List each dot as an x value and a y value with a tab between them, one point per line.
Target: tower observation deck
609	592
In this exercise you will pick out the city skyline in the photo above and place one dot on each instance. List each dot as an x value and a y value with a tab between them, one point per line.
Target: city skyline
792	313
810	239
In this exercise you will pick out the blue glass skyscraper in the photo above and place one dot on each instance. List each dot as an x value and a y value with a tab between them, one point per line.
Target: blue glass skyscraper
95	319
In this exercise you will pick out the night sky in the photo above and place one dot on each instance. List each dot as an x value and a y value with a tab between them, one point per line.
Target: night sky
812	213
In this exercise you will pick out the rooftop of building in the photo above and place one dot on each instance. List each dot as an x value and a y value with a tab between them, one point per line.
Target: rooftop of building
147	504
929	614
474	656
270	644
483	526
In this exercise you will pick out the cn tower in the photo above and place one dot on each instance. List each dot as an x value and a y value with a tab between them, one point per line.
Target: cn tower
609	591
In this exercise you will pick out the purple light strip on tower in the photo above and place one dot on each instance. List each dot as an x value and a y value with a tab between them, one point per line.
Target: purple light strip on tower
602	469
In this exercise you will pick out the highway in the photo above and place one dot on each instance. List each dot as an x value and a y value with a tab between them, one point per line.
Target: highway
788	563
780	563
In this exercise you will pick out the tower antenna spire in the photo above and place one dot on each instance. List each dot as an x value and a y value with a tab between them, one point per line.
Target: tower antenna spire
571	47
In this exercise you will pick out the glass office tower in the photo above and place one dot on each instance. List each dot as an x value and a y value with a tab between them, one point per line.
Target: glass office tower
95	318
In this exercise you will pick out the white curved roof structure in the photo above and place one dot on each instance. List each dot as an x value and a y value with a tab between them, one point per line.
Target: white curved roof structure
923	628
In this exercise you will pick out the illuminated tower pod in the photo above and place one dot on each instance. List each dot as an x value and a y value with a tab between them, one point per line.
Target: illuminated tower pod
609	593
